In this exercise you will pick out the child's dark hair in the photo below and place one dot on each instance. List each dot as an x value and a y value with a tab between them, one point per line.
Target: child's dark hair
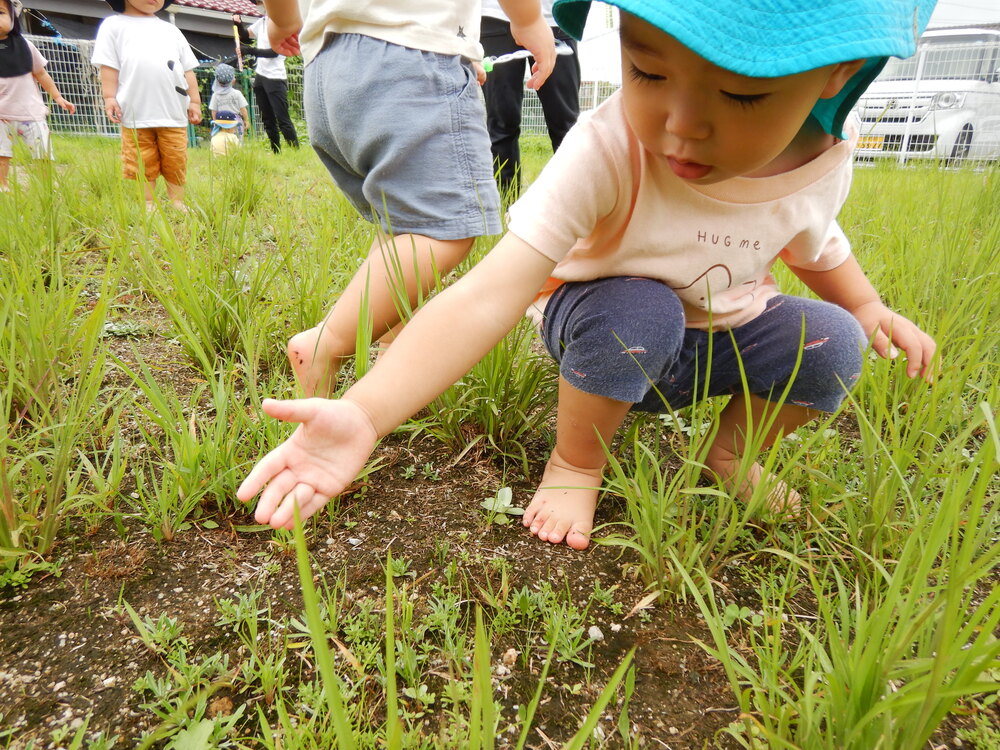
15	56
15	17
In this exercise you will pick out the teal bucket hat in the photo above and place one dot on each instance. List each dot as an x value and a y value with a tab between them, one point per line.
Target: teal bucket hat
769	38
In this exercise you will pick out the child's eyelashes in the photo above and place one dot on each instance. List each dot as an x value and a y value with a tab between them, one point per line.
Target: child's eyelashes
746	101
642	76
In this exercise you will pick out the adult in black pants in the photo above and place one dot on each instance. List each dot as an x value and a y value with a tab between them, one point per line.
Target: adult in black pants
270	84
504	91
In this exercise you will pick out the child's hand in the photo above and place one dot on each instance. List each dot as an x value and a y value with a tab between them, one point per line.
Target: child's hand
284	39
480	72
67	105
537	38
321	458
194	112
893	332
112	109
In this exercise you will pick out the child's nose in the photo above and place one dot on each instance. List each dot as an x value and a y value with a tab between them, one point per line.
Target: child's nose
686	119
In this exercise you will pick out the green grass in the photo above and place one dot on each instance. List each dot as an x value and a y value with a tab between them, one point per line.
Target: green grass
897	565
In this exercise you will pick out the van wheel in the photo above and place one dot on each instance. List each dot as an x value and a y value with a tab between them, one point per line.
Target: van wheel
962	148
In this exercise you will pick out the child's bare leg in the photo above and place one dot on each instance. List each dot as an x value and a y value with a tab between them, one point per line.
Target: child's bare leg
175	193
725	456
4	171
388	338
317	354
148	192
564	503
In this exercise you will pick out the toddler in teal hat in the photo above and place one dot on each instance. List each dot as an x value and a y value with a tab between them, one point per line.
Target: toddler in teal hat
644	253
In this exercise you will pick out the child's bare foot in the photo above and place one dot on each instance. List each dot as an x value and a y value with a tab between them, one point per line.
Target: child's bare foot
782	500
314	365
180	206
150	207
564	504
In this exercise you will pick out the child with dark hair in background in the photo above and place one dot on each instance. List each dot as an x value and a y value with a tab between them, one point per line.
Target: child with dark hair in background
149	87
22	110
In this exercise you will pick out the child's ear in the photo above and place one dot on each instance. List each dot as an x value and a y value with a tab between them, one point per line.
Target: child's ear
839	76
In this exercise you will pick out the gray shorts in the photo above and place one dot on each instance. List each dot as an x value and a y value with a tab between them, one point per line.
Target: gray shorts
403	133
624	337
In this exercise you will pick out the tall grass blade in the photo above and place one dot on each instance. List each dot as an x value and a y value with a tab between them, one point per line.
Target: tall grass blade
317	633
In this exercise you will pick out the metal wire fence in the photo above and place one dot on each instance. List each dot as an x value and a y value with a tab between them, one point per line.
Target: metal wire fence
592	93
79	81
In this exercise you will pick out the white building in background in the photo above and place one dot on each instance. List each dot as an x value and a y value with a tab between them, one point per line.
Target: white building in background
600	53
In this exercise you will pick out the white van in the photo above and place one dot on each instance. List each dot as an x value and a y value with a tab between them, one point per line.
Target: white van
944	102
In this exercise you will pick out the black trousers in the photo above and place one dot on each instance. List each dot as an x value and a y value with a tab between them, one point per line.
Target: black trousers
504	90
272	101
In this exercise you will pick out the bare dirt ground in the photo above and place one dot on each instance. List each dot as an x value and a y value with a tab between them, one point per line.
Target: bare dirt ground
67	649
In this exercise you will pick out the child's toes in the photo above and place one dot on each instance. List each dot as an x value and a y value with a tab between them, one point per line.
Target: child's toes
579	536
554	530
542	526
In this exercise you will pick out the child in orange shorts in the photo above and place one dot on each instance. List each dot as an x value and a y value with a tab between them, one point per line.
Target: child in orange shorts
149	86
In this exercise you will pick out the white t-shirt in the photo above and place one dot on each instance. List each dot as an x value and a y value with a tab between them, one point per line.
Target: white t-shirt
151	57
269	67
443	26
605	206
20	99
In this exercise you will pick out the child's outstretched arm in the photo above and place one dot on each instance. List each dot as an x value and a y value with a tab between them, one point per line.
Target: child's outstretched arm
284	22
440	344
847	286
528	27
49	86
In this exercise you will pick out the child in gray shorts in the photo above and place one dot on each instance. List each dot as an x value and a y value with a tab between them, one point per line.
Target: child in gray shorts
394	111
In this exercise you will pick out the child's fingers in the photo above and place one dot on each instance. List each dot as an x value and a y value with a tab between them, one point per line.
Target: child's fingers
308	500
289	410
539	74
277	487
265	470
533	82
882	346
919	348
480	72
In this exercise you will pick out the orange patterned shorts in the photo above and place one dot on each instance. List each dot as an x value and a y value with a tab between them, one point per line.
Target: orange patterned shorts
161	151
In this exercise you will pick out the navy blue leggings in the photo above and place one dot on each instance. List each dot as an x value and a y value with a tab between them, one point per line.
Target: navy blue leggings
624	338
